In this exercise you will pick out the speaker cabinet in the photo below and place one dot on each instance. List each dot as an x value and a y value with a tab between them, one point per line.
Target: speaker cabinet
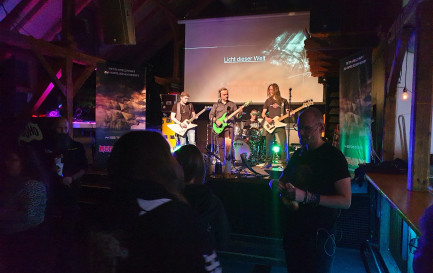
117	22
167	102
167	133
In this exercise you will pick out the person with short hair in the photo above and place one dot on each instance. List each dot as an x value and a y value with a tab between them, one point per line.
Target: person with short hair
225	138
182	112
314	187
68	162
253	122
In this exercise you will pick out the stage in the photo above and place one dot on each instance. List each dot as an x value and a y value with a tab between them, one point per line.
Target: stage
252	207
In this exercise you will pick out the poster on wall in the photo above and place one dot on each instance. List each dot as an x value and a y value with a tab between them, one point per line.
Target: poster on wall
120	106
355	109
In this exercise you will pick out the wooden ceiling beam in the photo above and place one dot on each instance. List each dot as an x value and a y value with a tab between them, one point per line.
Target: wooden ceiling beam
45	48
30	14
10	20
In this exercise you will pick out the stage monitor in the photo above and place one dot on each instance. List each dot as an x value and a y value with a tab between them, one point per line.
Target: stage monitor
246	54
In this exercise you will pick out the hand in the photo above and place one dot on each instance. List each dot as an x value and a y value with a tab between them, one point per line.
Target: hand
183	125
67	181
269	120
218	123
289	195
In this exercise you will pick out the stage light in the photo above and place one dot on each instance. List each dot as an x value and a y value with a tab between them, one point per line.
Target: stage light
276	149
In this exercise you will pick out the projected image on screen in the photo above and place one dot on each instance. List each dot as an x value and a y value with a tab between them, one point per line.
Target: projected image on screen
245	55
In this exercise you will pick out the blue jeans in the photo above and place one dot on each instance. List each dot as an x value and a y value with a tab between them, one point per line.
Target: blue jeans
190	134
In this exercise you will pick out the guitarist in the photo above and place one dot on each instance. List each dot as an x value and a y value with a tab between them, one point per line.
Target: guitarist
181	111
220	108
274	106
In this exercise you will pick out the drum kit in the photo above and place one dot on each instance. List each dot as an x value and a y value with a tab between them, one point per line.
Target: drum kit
249	141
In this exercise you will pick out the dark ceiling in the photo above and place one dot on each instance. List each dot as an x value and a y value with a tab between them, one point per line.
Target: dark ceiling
338	27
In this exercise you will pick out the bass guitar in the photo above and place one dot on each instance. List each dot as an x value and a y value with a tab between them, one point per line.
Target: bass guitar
218	129
178	129
276	122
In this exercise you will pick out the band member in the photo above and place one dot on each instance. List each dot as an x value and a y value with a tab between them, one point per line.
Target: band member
224	139
274	106
181	111
253	122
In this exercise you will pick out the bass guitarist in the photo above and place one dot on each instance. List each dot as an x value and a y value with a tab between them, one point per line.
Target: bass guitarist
274	106
181	111
224	138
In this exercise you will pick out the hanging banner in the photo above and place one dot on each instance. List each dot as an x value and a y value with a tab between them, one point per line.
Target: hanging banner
120	107
355	109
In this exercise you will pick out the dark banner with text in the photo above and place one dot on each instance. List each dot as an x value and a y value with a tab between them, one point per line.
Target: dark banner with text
355	109
120	106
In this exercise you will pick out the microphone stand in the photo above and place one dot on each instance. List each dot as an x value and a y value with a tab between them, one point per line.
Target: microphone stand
288	131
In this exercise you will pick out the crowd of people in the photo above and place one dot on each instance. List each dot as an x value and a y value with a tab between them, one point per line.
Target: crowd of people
160	215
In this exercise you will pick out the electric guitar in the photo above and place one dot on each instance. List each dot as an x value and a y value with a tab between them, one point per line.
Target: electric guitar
178	129
276	122
218	129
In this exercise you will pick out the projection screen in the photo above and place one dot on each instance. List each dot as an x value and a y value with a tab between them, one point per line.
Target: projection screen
246	54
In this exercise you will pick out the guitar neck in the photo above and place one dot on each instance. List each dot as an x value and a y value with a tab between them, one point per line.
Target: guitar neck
237	110
291	113
197	115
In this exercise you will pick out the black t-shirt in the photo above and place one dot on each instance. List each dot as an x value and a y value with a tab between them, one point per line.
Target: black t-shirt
278	110
167	237
315	171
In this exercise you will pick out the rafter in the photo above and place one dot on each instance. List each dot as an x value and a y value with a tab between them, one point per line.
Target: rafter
46	48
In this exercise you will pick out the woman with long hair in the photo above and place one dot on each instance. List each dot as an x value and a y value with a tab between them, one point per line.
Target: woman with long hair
158	228
203	201
23	199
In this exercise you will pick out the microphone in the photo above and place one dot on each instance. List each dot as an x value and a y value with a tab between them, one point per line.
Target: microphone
290	89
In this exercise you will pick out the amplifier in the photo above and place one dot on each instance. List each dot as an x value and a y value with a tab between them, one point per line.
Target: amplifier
167	102
168	133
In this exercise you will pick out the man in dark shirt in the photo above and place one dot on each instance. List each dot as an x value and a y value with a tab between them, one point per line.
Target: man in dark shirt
69	158
314	186
224	139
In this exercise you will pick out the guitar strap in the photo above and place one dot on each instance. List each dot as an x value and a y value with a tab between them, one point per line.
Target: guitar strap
178	115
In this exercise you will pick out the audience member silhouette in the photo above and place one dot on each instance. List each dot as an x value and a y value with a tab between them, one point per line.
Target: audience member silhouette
156	225
67	160
23	200
423	259
206	204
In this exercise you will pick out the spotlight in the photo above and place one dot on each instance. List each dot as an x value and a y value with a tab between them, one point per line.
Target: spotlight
276	149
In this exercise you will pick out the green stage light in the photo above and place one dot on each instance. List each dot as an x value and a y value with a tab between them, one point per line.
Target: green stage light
276	149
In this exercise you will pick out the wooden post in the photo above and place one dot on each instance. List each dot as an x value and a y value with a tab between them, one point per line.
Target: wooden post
420	126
